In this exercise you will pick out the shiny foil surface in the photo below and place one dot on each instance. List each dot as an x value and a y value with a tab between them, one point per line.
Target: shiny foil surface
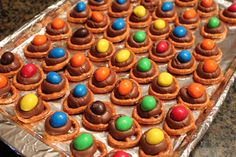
28	139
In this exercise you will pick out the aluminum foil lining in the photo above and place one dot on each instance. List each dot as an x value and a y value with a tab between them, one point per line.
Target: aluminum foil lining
28	139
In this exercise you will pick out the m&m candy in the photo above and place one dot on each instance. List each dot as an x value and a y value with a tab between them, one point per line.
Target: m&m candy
81	6
162	46
165	79
232	7
121	153
102	73
139	11
7	58
80	91
207	3
124	123
210	66
77	60
184	56
144	64
122	55
125	87
214	22
28	70
179	113
139	36
195	90
154	136
159	24
58	119
180	31
207	44
3	81
83	141
167	6
98	108
102	45
56	52
58	23
53	77
121	1
39	40
28	102
97	17
118	24
190	13
148	103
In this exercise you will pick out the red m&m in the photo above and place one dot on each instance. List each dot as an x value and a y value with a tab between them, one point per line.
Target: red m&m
28	70
121	153
179	113
232	7
162	46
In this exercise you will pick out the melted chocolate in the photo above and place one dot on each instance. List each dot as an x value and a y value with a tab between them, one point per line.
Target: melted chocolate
83	14
94	24
151	149
97	3
207	10
113	152
52	31
116	7
81	36
219	29
168	52
41	48
97	54
4	91
187	38
27	81
229	13
146	74
148	114
98	113
149	4
13	66
133	94
135	18
76	71
114	33
75	102
49	88
119	135
178	65
161	89
122	64
201	51
201	73
135	44
183	93
54	61
188	21
109	80
157	32
165	14
84	153
38	109
175	124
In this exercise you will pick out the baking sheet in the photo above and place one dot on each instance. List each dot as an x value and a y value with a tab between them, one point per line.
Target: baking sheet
34	145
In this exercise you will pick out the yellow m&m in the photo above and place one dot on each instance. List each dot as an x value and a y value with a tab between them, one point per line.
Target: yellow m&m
122	55
154	136
102	45
165	79
140	11
28	102
159	24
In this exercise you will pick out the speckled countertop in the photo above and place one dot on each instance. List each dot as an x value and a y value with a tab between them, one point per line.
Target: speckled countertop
220	139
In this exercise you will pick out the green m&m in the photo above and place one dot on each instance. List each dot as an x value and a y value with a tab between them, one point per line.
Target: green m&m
139	36
124	123
144	64
148	103
83	141
214	22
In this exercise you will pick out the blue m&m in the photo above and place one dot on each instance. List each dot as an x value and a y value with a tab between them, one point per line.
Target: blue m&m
118	24
167	6
56	52
58	119
53	77
184	56
80	90
180	31
81	6
121	1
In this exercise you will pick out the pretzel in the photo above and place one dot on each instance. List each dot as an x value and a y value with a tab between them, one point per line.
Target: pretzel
158	37
118	38
208	81
101	59
100	29
186	4
188	26
54	95
34	118
162	59
208	14
74	111
127	143
145	80
126	102
119	14
65	137
100	7
28	87
56	67
184	130
14	72
149	121
167	19
98	127
80	47
79	20
200	57
36	55
60	36
228	20
10	99
81	77
199	106
139	24
137	50
177	71
218	36
167	153
167	96
184	45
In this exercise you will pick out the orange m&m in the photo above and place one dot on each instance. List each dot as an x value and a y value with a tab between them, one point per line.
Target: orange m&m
3	81
125	87
195	90
39	40
58	23
210	66
207	44
207	3
77	60
97	17
102	73
190	13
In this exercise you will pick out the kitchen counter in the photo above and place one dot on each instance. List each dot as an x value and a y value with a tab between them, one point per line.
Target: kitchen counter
220	139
